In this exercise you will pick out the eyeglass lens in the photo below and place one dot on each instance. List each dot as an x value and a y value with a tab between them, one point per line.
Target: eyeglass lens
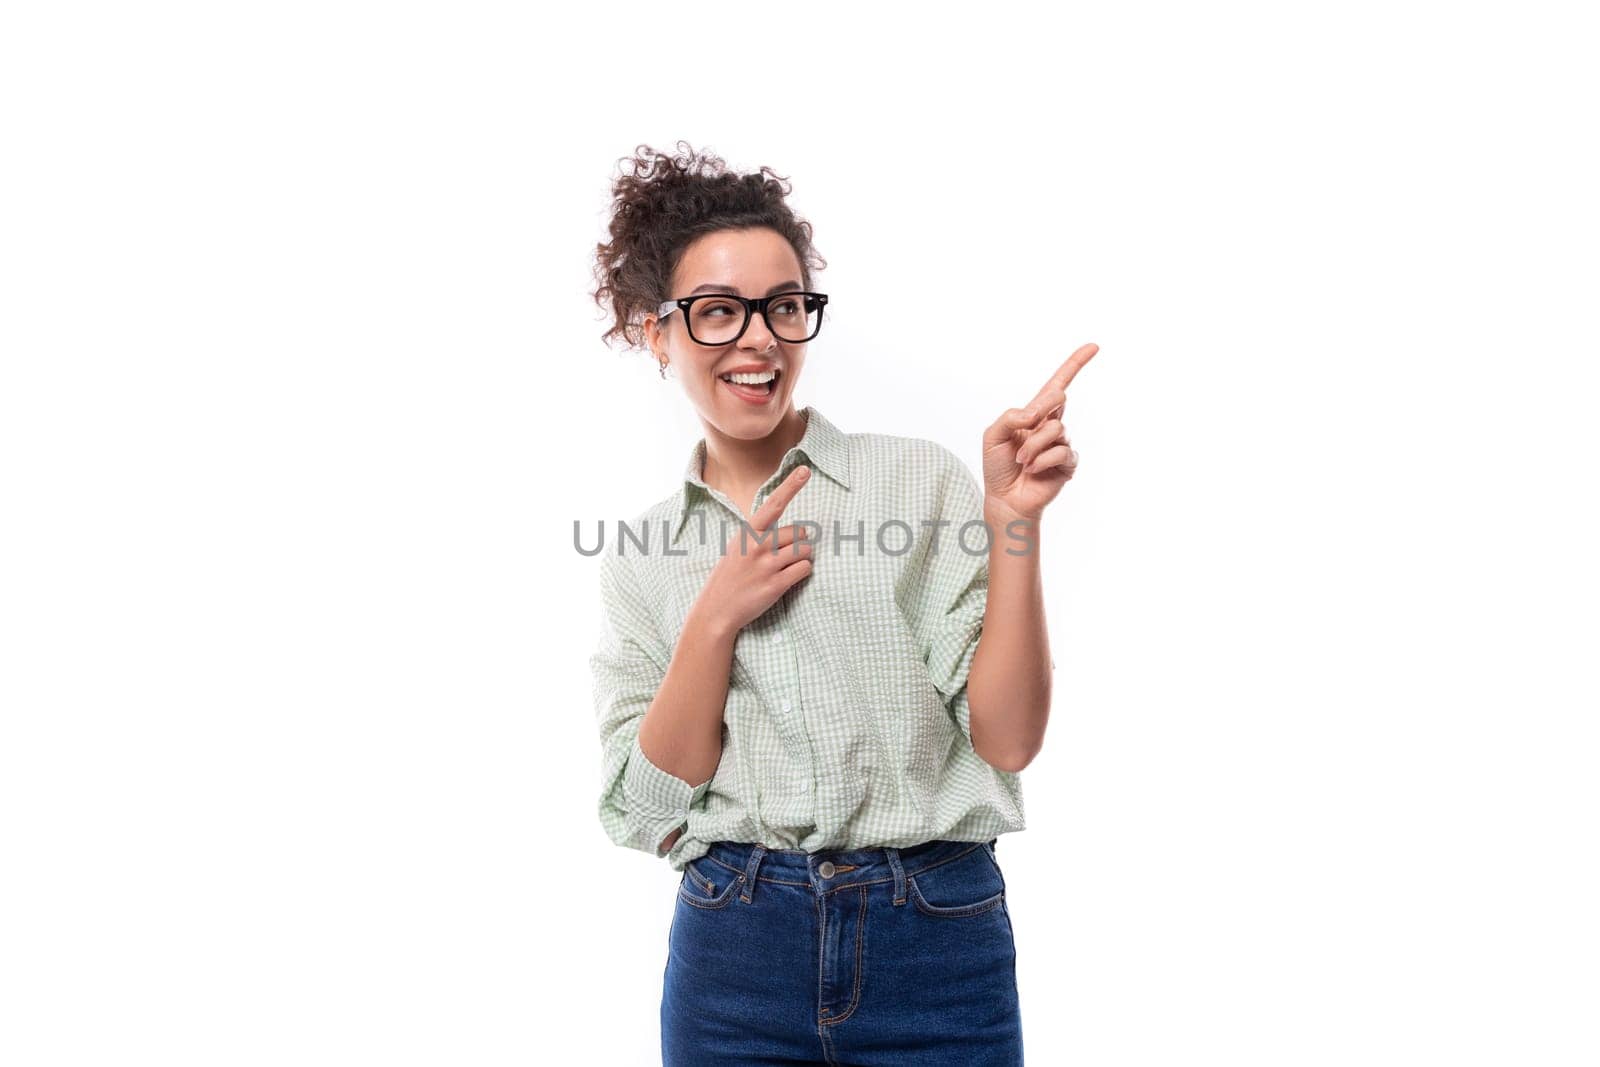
792	317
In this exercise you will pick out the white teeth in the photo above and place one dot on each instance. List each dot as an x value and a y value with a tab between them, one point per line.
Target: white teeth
752	378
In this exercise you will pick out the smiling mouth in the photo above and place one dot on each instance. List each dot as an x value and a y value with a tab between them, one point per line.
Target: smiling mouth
753	386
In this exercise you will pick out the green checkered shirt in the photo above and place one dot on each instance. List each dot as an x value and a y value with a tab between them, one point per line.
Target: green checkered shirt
846	724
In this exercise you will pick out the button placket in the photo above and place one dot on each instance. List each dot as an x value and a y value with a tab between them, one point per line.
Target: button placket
791	668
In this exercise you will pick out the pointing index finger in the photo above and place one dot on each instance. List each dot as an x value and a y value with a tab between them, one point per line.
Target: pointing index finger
1066	372
773	506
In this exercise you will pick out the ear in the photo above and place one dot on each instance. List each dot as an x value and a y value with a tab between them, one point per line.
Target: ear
651	325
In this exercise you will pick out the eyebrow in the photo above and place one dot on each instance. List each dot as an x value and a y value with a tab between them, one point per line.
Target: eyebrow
713	287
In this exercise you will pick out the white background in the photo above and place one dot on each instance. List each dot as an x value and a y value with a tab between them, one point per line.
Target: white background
303	391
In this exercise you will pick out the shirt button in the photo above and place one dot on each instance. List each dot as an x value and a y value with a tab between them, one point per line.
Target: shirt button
785	705
826	869
778	636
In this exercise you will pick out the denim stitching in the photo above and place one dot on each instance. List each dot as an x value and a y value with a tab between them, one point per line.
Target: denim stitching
963	911
712	903
897	895
701	880
822	941
958	911
861	933
752	872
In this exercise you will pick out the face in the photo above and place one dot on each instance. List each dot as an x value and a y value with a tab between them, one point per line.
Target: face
751	263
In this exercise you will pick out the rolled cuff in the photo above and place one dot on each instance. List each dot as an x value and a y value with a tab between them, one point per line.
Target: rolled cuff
950	662
658	802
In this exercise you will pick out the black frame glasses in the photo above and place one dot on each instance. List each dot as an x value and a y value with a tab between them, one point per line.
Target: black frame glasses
684	304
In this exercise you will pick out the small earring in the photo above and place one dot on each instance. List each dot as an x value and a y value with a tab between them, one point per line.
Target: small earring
663	369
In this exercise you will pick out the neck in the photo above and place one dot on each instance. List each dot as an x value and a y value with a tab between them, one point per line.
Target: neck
738	467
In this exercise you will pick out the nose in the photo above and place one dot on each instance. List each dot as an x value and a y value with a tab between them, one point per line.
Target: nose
757	336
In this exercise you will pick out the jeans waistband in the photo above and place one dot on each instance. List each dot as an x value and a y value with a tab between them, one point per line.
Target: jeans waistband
827	870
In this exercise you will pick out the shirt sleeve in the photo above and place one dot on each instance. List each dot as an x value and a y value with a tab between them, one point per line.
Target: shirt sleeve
640	804
955	589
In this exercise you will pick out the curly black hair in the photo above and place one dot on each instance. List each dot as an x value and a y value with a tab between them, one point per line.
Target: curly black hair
661	207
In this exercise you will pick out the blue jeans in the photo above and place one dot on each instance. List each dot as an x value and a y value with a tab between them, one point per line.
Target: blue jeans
874	956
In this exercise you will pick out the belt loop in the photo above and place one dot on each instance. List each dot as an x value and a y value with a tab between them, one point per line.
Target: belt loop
899	875
756	853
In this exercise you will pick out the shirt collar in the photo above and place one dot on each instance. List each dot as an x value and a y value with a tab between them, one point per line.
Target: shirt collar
822	443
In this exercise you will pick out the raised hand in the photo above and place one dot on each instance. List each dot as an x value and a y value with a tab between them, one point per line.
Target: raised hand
752	574
1027	456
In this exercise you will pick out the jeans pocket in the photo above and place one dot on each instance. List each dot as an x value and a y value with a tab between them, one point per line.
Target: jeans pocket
968	884
707	884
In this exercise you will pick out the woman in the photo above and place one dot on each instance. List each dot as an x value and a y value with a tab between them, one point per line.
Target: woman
823	663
